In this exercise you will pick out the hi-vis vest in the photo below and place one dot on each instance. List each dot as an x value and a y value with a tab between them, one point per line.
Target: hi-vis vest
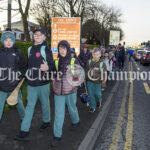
71	63
42	50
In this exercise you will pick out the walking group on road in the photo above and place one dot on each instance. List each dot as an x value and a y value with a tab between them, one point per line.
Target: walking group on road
37	70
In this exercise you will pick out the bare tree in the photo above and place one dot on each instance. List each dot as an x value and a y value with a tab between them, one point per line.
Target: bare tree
76	8
97	28
67	8
24	15
109	18
43	11
97	18
9	14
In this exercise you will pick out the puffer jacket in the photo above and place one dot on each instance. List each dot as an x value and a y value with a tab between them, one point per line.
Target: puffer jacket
62	85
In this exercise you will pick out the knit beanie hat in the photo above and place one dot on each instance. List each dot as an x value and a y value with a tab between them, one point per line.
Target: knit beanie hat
7	35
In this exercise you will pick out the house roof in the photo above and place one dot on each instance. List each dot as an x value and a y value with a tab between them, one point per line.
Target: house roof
21	23
15	29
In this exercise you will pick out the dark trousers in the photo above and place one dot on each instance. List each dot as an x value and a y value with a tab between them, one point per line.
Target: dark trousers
121	63
130	57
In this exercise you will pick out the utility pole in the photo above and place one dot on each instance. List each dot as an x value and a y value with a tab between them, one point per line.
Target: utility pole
9	14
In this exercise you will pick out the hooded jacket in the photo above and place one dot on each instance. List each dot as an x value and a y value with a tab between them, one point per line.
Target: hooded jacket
62	86
36	77
12	62
83	58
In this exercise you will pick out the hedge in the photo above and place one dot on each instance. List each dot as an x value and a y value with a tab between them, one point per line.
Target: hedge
23	46
92	46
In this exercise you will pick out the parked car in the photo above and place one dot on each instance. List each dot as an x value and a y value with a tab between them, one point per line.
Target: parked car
138	54
134	53
145	58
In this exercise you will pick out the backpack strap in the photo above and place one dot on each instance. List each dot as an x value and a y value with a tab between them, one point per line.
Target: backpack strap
43	53
101	66
72	65
89	62
29	50
56	64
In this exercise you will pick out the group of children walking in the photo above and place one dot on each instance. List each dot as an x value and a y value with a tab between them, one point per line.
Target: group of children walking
39	63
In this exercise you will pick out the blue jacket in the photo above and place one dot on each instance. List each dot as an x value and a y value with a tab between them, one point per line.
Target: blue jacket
130	52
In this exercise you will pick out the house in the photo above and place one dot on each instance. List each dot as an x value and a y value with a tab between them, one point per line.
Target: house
17	28
18	34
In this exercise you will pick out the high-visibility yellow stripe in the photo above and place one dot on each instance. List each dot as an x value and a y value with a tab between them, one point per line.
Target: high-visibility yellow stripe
129	131
141	75
147	89
56	64
117	131
72	66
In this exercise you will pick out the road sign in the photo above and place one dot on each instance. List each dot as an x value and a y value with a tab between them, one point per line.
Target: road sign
66	29
114	38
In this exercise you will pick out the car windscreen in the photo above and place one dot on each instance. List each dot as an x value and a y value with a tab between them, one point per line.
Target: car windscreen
141	52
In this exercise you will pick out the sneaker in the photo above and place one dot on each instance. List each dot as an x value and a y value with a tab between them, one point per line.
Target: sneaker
92	110
88	104
55	141
44	126
23	136
99	104
103	89
75	126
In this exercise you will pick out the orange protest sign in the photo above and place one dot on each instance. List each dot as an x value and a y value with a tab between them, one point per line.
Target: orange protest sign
65	29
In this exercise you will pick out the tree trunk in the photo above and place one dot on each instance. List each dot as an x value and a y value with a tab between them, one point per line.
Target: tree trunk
26	30
24	16
9	14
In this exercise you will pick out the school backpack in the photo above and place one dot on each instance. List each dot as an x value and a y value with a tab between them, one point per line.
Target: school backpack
100	65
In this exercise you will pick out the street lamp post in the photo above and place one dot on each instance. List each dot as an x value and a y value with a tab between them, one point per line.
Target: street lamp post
9	14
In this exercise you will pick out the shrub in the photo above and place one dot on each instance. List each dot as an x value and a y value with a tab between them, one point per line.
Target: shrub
92	46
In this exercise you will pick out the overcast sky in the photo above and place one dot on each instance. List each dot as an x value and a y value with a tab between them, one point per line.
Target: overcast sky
136	17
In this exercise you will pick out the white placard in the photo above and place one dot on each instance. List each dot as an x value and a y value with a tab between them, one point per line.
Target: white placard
114	37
